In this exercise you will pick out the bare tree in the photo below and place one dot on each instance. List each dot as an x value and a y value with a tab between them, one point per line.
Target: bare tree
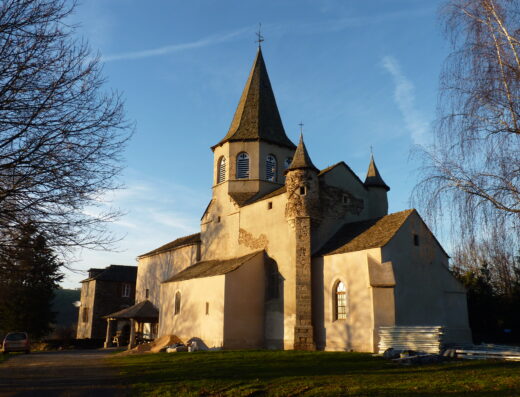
61	136
494	257
472	170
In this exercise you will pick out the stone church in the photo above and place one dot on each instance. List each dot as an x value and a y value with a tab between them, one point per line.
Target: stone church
293	257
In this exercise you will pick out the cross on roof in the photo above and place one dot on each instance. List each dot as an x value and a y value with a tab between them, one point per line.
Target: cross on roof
259	35
301	127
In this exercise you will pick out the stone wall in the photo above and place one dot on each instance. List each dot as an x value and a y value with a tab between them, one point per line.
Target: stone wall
100	298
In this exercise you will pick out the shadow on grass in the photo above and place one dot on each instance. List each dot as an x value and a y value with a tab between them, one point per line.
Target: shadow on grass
313	374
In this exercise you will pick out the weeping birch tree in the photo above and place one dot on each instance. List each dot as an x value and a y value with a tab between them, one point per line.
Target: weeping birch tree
471	173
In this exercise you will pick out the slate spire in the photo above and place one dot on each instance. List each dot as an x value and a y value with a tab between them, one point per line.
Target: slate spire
374	177
257	116
301	159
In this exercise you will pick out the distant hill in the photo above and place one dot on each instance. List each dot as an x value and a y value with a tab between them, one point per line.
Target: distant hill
63	305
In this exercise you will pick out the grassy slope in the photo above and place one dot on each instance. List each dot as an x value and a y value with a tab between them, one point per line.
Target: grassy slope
285	373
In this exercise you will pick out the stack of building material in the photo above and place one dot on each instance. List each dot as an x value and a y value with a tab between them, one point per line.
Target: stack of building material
428	339
483	352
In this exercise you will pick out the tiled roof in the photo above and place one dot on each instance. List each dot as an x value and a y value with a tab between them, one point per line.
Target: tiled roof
373	177
118	273
180	242
144	310
212	267
301	158
257	116
363	235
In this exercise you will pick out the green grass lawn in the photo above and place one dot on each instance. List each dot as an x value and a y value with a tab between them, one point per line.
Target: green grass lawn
291	373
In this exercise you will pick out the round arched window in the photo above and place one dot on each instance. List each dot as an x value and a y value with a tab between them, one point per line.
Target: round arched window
242	166
340	298
270	168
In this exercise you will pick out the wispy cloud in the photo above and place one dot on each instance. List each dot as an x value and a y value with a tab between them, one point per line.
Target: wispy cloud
204	42
333	25
404	95
156	212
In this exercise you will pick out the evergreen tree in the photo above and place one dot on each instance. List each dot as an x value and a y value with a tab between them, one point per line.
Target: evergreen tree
29	274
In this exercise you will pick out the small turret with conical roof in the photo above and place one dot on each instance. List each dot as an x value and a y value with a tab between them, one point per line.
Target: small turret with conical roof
250	157
303	188
302	212
377	191
301	159
373	178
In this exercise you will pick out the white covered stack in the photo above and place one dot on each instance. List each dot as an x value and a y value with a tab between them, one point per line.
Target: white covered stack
428	339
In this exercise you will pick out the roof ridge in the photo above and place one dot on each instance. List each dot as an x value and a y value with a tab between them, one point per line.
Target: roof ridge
364	234
212	267
179	242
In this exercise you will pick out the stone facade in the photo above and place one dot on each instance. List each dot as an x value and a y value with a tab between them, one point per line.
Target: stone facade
105	291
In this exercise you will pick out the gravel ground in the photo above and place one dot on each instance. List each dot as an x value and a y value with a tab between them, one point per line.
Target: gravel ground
63	373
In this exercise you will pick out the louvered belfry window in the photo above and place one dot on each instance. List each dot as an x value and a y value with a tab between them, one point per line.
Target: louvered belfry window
270	168
341	301
221	177
243	166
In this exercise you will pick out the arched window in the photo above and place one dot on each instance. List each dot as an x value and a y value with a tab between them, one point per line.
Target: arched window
340	299
270	168
287	162
221	176
177	302
242	166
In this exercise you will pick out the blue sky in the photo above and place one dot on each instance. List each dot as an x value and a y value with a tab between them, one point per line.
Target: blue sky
357	73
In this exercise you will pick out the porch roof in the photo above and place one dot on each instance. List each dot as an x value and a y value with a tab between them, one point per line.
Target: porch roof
143	311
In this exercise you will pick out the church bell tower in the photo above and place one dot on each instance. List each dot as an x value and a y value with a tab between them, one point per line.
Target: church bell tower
250	159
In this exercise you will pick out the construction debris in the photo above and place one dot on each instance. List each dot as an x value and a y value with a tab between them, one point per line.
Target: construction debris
156	346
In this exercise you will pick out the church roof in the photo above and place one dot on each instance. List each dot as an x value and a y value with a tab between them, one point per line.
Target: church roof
118	273
372	233
341	163
180	242
211	268
373	177
301	159
144	310
257	116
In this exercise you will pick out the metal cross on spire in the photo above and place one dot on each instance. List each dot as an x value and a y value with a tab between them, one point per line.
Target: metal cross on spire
259	35
301	127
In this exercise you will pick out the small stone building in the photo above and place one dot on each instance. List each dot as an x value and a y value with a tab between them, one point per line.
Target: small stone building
290	256
104	291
